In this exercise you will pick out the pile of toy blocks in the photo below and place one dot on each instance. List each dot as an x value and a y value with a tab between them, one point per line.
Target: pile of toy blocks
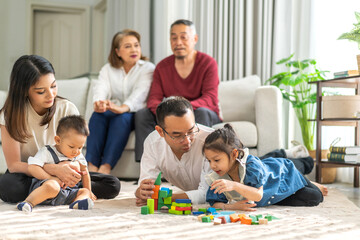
163	197
211	214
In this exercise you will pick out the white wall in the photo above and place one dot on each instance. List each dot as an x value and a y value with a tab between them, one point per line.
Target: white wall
13	28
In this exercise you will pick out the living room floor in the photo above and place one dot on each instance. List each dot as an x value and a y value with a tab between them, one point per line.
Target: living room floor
353	194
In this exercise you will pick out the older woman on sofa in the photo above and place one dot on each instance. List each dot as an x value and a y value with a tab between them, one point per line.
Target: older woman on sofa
28	121
122	90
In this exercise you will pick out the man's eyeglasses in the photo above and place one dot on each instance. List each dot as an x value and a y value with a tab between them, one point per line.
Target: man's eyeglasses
181	138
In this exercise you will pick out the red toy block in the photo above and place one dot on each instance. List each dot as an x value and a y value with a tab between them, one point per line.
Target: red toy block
183	208
223	219
156	204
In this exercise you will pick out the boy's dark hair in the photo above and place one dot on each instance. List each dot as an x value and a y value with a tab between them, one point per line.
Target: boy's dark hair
172	106
184	22
224	140
75	122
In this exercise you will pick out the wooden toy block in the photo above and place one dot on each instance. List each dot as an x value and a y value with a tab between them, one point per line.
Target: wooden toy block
253	218
183	201
150	204
259	216
211	210
241	216
181	204
218	209
175	212
197	213
167	200
165	189
211	217
246	220
234	217
263	221
155	204
158	180
202	210
217	221
187	212
223	219
183	208
227	212
255	223
170	193
269	218
173	207
200	217
156	192
206	219
145	210
162	194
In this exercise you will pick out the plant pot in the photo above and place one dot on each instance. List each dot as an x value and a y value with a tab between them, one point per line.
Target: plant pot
358	61
328	175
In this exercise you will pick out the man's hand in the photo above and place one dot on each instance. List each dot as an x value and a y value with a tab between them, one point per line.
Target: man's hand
145	190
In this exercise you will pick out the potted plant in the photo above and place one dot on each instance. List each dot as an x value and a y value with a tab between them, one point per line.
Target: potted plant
354	35
294	87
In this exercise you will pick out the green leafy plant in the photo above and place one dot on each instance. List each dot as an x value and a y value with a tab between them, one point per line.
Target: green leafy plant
354	34
295	88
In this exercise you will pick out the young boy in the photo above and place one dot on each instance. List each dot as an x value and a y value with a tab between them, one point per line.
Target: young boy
45	189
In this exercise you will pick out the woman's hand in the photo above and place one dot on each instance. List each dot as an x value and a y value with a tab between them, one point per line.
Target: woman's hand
222	185
101	106
68	174
118	109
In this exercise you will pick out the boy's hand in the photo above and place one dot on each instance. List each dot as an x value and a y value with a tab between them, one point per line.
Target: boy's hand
222	185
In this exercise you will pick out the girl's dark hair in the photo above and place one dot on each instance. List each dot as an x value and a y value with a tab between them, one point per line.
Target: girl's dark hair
224	140
75	122
172	106
114	60
25	73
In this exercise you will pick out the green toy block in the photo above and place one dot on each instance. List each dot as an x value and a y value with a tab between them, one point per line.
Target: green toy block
158	179
269	217
202	210
187	212
255	223
219	209
162	194
253	218
170	193
205	219
167	200
259	216
145	210
151	204
175	212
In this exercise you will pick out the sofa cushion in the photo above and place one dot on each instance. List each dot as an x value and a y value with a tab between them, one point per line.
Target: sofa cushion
237	99
246	131
76	91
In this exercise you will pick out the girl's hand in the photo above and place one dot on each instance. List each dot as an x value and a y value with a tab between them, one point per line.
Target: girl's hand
222	185
244	206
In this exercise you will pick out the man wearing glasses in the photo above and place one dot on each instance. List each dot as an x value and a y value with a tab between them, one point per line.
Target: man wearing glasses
188	73
175	149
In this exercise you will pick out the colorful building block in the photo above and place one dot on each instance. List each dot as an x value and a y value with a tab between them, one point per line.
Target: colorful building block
183	208
234	217
183	201
156	204
204	210
200	217
150	204
222	218
217	221
158	180
246	220
263	221
211	210
197	213
187	212
241	216
205	219
145	210
167	200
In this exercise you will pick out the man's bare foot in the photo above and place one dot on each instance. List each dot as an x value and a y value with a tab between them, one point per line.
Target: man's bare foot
105	168
92	167
322	188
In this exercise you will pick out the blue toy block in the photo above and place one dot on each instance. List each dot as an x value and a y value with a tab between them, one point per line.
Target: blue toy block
211	210
165	189
227	217
197	213
227	212
183	201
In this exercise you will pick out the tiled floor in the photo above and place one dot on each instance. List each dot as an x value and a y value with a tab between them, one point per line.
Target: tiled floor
348	189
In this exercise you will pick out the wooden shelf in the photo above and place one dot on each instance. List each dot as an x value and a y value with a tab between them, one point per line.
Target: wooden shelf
346	82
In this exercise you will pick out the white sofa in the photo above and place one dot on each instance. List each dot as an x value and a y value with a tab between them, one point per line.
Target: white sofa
253	110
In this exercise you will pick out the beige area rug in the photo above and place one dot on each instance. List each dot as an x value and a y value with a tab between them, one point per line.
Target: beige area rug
119	218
